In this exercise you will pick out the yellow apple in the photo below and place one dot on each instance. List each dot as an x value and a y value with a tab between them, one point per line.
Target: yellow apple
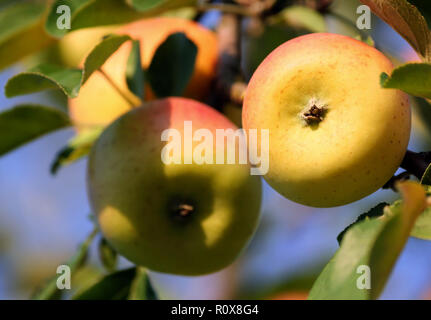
178	218
99	102
335	135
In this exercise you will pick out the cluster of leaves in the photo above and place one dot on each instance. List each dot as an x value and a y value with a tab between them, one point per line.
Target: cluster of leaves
132	283
24	123
375	240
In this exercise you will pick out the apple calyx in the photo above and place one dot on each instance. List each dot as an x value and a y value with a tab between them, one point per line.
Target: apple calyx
314	112
183	211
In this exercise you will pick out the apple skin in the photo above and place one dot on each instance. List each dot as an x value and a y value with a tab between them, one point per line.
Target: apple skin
133	193
364	134
291	295
99	103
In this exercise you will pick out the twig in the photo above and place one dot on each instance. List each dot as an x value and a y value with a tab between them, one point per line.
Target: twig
400	177
228	84
245	8
225	8
416	163
347	22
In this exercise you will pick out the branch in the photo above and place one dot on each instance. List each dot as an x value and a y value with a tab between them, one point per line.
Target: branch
246	8
229	85
416	162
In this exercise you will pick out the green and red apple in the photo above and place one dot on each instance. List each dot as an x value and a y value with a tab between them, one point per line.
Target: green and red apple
178	218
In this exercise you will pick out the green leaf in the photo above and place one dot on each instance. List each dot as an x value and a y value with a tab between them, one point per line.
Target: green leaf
115	286
377	211
413	78
77	148
407	21
45	77
422	228
302	17
108	12
108	255
101	53
25	123
21	32
373	242
426	178
172	65
50	291
69	80
142	288
53	16
134	73
145	5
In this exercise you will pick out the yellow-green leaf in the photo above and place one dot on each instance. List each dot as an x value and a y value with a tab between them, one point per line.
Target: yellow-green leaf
413	78
374	243
21	32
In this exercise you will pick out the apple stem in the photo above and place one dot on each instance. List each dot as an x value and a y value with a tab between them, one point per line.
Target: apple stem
314	114
112	83
183	210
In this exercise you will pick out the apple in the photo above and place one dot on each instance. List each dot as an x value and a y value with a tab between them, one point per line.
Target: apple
335	135
291	295
99	103
187	219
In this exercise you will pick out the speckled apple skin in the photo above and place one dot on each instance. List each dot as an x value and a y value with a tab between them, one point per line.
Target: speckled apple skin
132	193
363	137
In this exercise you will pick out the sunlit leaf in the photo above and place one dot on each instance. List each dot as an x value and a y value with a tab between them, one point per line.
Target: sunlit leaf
145	5
115	286
109	12
55	14
101	53
373	242
50	291
142	288
413	78
69	80
302	17
45	77
108	255
422	228
21	32
77	148
377	211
